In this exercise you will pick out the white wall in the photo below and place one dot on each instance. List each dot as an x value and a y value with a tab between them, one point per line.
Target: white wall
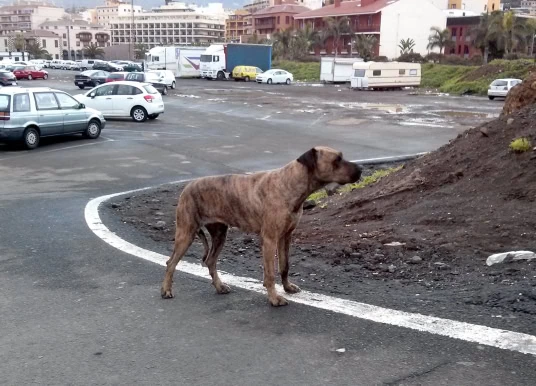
441	4
409	19
477	6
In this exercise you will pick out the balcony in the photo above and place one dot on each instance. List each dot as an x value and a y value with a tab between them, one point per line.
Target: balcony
84	36
367	28
102	37
265	25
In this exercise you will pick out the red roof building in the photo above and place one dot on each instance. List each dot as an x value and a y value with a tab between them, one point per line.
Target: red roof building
276	18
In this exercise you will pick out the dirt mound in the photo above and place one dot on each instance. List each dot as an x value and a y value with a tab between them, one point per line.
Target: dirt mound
522	95
484	71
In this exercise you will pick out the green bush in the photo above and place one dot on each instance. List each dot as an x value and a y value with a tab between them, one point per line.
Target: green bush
520	145
305	71
411	57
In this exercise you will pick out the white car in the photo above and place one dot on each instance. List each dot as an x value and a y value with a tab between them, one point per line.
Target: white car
275	76
67	64
165	76
501	87
141	101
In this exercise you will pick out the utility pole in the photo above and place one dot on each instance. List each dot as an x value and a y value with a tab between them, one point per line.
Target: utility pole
132	31
69	42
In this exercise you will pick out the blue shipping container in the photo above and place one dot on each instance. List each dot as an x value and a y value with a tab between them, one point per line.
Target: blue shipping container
257	55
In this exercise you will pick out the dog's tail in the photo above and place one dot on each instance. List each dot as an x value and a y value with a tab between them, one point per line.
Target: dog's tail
204	240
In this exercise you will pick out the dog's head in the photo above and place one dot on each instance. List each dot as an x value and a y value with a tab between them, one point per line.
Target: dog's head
327	165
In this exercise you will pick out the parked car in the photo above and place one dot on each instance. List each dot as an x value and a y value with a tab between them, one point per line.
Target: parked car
29	72
87	64
7	78
38	63
501	87
116	76
165	76
90	78
47	63
275	76
67	64
245	73
107	66
29	114
133	67
140	101
76	66
56	64
148	77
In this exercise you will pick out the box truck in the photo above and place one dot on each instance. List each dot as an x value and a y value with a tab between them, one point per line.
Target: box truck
218	61
182	61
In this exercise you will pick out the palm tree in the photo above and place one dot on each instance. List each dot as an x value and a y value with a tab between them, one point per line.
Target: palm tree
406	46
35	50
282	42
439	38
507	30
364	45
19	44
139	50
531	34
336	28
482	36
92	51
308	35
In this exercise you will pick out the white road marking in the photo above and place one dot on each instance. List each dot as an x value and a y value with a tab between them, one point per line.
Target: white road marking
264	118
503	339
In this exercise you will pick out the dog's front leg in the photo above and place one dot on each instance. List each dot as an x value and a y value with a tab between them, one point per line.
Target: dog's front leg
269	247
284	256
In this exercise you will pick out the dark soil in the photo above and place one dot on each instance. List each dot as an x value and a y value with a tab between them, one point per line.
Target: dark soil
449	210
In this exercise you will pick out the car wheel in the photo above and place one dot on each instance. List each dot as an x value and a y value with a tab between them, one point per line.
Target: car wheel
45	76
288	81
269	81
153	116
93	129
30	77
164	91
81	87
491	97
246	79
221	75
173	84
31	138
139	114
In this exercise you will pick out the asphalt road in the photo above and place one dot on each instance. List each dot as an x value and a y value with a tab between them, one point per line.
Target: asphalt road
74	310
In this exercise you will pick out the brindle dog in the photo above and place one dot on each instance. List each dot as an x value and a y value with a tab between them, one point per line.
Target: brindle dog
267	203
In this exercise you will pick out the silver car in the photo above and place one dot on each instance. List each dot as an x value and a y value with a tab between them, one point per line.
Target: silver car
27	114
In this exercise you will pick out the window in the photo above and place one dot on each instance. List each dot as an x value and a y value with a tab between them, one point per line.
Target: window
413	72
21	103
287	19
123	89
78	44
359	73
56	44
105	90
44	43
65	44
216	59
369	21
376	72
401	72
46	101
66	101
453	33
278	20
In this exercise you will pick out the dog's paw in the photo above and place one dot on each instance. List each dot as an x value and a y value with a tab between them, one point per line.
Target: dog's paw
223	289
278	301
291	288
166	294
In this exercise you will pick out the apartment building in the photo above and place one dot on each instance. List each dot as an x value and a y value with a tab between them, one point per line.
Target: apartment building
276	18
530	6
27	16
113	8
48	40
460	31
388	20
478	6
173	23
236	25
76	35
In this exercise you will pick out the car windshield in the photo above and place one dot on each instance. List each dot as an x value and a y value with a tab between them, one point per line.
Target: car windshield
499	83
88	73
19	68
206	58
115	76
5	101
151	77
150	89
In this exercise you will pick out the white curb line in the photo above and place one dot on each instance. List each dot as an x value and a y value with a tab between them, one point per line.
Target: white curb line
488	336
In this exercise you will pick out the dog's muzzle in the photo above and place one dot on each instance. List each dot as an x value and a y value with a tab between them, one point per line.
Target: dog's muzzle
356	173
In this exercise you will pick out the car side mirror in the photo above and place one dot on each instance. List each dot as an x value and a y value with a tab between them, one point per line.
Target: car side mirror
81	106
92	95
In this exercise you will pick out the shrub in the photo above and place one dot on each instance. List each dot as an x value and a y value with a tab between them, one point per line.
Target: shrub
433	57
454	60
520	145
381	59
369	180
306	71
412	57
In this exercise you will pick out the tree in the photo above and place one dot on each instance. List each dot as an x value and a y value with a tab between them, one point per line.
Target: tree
308	35
282	42
507	30
92	51
482	36
439	38
406	46
35	50
531	34
336	28
139	50
364	45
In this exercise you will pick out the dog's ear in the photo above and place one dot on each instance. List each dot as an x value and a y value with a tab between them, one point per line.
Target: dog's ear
309	159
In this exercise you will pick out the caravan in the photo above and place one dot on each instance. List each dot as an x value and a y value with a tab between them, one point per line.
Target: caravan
385	75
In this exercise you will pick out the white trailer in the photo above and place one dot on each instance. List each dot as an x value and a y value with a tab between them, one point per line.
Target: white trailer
182	61
376	75
335	70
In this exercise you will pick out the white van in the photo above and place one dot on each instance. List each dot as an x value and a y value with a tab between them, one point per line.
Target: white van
87	64
376	75
165	76
57	63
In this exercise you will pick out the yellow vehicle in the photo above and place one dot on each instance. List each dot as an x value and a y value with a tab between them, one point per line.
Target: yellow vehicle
246	73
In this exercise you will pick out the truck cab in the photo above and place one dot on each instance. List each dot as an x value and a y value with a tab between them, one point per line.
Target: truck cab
212	63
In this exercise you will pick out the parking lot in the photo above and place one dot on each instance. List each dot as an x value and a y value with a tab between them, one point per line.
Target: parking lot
74	308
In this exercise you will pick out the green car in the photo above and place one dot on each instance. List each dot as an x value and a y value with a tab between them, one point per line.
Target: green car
132	67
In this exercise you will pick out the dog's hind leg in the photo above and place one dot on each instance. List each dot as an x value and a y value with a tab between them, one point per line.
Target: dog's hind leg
283	252
204	240
218	233
184	236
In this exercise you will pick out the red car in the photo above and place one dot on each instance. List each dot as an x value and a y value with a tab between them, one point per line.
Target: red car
29	72
116	76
